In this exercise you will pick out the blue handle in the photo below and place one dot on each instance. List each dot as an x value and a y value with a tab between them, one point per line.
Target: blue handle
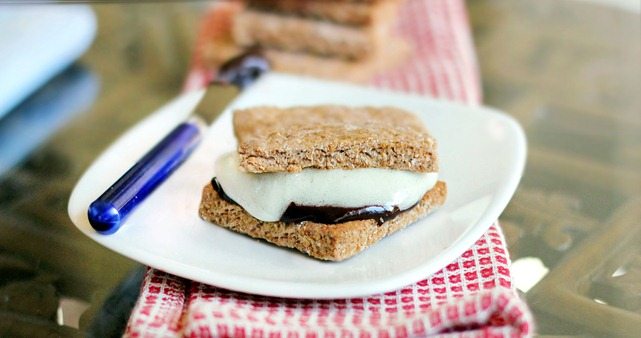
107	213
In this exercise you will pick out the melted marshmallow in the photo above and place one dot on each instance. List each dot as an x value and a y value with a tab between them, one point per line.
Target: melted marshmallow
266	196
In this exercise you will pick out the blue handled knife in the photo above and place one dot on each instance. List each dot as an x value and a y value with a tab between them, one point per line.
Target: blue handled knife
108	212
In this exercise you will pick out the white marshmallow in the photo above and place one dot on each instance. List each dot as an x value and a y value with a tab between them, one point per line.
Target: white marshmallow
266	196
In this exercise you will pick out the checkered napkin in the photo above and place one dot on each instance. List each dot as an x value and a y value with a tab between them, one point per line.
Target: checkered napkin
471	296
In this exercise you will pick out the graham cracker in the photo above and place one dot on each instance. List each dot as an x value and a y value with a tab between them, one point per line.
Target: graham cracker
275	139
344	12
332	242
280	31
219	46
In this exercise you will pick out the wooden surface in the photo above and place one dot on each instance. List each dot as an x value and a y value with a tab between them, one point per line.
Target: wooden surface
569	71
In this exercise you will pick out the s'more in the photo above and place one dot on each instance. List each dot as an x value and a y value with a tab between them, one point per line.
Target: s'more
329	181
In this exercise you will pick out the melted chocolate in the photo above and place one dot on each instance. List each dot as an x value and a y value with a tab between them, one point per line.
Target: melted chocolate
333	215
221	192
326	214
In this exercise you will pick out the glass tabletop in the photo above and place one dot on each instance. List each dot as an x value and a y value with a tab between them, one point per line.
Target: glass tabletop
569	71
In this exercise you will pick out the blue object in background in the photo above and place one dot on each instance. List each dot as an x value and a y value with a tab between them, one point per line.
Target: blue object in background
36	43
41	115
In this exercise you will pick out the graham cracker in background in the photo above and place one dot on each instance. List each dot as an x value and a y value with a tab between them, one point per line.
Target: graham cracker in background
354	13
218	46
296	34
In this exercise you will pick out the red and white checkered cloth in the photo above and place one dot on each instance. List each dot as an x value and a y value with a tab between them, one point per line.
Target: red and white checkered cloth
472	296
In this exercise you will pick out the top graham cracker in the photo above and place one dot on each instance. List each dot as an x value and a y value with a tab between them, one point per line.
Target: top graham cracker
273	139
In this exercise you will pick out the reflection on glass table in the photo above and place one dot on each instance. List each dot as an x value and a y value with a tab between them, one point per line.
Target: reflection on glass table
571	73
47	110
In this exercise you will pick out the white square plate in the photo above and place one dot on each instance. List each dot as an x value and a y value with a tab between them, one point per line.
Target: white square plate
482	155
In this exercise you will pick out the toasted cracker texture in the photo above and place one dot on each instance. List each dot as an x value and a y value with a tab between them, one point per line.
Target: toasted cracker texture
333	242
220	46
294	34
351	13
275	139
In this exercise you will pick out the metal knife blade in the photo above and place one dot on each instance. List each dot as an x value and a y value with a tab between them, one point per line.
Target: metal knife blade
107	213
217	97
